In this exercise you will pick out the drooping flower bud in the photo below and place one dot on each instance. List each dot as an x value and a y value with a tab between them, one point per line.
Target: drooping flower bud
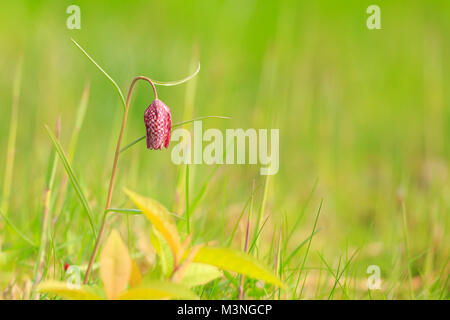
158	124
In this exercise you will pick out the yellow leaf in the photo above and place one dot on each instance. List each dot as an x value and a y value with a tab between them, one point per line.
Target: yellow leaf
159	290
115	266
198	274
236	261
67	291
160	218
135	276
163	250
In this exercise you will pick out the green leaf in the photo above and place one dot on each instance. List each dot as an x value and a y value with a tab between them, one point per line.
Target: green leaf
72	177
63	290
198	274
159	290
236	261
160	218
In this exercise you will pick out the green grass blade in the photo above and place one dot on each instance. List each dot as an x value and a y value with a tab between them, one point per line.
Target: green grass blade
408	258
337	276
177	82
116	86
12	226
132	143
258	233
236	225
11	148
309	244
302	213
72	177
136	211
444	290
198	119
334	275
202	190
299	247
46	214
79	119
261	210
125	211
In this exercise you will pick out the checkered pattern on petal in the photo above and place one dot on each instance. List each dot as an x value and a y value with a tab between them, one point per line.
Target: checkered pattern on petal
158	124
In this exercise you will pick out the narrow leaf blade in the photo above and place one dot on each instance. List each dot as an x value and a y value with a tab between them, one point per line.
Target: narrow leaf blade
73	179
116	86
177	82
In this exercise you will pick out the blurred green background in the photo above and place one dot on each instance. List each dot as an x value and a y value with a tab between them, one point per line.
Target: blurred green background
364	113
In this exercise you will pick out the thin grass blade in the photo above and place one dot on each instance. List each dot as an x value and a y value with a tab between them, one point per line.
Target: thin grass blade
72	177
116	86
20	233
177	82
11	148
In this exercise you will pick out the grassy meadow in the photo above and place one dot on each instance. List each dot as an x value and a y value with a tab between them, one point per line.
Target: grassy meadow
364	158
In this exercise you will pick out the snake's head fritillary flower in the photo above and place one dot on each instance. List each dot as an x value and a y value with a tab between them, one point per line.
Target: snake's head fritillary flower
158	124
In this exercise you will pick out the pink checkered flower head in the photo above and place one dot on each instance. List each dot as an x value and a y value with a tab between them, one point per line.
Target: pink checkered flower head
158	124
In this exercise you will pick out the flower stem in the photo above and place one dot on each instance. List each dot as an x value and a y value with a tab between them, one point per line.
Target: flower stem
113	174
